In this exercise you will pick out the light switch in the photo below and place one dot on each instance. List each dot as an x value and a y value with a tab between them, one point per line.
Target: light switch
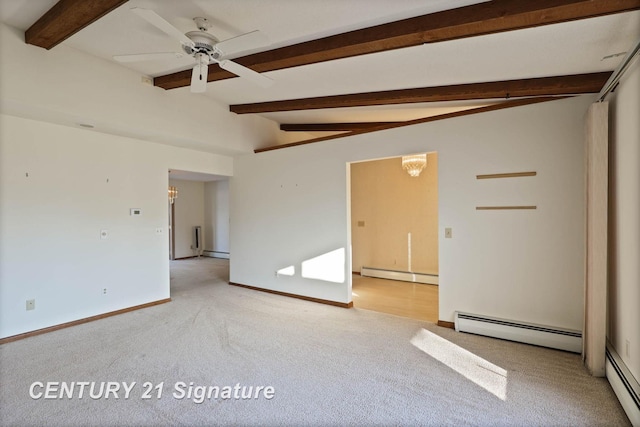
447	233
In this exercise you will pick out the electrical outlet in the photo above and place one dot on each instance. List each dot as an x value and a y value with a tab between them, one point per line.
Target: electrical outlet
159	230
448	233
31	304
104	291
104	234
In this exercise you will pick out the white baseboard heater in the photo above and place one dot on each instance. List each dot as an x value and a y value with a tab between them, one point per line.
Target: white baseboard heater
216	254
624	385
512	330
406	276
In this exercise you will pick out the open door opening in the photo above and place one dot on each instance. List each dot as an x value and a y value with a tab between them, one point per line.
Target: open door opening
198	223
394	236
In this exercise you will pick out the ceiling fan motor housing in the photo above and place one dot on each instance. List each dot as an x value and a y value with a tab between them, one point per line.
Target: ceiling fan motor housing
202	43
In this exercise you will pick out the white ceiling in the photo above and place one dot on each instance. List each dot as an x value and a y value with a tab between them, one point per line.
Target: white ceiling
568	48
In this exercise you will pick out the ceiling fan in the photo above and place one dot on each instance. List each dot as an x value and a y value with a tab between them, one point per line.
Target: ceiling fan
204	48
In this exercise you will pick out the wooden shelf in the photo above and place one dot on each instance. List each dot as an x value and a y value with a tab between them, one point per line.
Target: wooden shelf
506	175
498	208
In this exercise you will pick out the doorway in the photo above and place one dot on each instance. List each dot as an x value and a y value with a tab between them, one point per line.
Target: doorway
201	203
394	237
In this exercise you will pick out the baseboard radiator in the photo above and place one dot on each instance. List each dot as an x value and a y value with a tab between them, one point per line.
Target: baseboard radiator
624	385
216	254
512	330
405	276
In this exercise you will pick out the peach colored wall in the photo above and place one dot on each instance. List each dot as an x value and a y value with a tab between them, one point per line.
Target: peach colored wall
392	204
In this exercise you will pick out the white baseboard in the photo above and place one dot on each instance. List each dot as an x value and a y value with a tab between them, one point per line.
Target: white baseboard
624	385
406	276
216	254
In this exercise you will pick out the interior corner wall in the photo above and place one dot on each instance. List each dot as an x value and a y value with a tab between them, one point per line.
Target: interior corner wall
59	188
386	206
291	205
188	213
624	220
216	221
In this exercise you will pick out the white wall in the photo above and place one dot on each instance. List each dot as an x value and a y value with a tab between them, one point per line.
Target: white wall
291	205
624	220
216	211
81	182
50	221
188	213
66	86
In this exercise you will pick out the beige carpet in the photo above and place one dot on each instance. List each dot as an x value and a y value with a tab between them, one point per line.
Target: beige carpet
327	365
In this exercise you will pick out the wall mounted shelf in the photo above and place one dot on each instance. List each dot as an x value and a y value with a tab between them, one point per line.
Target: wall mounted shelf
497	208
506	175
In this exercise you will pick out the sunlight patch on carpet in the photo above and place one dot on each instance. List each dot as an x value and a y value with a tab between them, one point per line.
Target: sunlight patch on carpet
482	372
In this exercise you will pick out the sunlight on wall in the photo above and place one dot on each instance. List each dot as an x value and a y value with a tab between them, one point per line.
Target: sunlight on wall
328	267
485	374
287	271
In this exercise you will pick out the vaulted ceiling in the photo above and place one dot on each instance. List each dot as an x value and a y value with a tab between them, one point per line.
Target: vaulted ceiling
359	65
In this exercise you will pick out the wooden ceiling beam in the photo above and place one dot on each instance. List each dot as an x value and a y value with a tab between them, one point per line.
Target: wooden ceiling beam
478	110
543	86
66	18
479	19
330	127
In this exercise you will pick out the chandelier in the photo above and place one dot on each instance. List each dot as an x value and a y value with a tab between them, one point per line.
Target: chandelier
414	164
173	194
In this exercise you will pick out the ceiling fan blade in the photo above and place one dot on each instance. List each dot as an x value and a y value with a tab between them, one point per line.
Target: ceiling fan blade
148	56
159	22
243	42
199	78
247	73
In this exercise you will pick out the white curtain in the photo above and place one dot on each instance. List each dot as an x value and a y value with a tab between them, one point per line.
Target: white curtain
597	169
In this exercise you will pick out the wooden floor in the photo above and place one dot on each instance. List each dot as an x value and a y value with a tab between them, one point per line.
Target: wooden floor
406	299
